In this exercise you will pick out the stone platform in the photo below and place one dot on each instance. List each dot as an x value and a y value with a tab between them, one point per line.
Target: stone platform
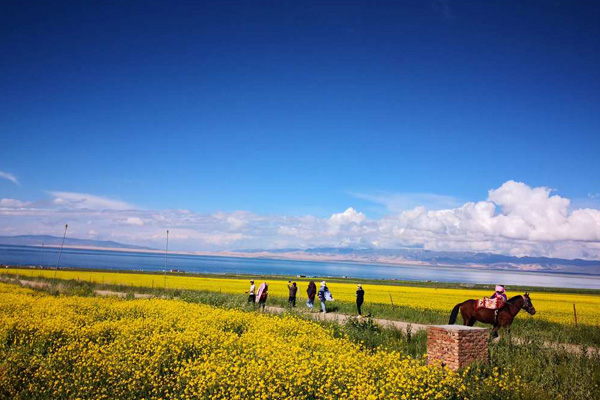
456	346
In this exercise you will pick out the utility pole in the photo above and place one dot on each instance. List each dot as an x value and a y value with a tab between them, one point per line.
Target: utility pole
60	250
166	258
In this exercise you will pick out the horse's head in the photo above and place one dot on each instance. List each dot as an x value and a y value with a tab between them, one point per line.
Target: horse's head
527	305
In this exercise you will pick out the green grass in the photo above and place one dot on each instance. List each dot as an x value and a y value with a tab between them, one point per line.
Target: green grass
553	371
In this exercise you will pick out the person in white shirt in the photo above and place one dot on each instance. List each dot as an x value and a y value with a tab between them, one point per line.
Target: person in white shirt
251	292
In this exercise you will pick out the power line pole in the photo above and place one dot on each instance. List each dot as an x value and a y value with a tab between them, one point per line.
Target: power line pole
167	250
166	258
60	250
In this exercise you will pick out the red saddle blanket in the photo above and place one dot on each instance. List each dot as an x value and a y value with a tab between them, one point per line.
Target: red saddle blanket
491	304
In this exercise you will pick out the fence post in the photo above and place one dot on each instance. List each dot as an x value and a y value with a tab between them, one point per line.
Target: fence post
575	313
391	300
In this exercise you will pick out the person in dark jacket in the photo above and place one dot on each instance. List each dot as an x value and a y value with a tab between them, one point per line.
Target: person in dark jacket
311	291
252	292
293	290
360	298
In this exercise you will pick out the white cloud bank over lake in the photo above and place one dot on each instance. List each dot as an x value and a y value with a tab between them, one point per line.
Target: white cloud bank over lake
515	219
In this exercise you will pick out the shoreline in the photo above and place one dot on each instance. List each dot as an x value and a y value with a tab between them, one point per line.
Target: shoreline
520	268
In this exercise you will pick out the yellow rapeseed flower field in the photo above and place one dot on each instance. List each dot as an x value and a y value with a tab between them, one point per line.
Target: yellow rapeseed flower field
554	307
60	347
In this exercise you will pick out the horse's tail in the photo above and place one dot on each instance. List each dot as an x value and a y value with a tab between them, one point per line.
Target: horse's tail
454	314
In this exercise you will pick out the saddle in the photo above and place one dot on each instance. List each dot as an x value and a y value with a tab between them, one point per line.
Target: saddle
490	304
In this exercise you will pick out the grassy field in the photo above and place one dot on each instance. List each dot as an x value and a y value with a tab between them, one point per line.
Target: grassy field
551	307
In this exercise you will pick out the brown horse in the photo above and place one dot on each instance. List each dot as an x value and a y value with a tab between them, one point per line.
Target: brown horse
503	318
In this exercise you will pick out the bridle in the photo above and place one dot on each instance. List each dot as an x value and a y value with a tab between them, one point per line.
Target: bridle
527	306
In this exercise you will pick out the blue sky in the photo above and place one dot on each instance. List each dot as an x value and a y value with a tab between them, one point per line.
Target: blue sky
299	108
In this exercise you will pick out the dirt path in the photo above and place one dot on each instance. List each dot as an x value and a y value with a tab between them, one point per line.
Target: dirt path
104	293
33	284
110	293
567	347
342	318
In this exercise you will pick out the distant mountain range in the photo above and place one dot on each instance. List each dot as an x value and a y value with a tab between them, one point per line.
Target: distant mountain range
445	257
407	256
437	258
47	240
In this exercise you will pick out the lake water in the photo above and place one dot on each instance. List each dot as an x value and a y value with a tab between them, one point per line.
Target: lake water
101	259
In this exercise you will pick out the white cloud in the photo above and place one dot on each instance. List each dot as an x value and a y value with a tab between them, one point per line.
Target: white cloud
350	216
10	177
12	203
237	220
88	201
529	218
515	219
134	221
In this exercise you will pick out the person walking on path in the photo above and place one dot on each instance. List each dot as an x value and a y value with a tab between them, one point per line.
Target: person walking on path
311	292
252	292
324	296
293	288
263	293
360	299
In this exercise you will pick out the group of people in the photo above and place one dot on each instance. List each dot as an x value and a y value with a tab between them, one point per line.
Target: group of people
324	294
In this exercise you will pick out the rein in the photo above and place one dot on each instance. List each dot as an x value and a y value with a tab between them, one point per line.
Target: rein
511	302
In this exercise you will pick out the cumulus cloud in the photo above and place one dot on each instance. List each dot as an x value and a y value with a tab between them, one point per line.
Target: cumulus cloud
350	216
10	177
515	219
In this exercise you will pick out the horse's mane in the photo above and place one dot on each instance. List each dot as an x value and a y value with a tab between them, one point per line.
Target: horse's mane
513	298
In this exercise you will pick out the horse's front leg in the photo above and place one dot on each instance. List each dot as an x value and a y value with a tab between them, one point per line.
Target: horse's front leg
495	331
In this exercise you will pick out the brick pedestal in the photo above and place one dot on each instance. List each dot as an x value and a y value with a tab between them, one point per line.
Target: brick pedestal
456	346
